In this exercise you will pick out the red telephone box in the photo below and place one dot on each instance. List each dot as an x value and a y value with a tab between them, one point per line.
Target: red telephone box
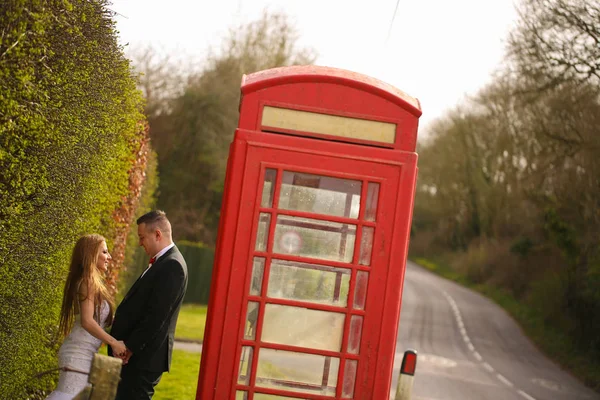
313	237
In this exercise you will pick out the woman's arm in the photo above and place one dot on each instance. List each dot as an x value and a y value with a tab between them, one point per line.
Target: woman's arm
86	308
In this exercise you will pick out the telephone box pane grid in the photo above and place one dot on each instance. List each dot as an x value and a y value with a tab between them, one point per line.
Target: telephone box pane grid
290	270
274	394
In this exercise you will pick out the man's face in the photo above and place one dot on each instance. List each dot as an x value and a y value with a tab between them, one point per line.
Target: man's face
148	239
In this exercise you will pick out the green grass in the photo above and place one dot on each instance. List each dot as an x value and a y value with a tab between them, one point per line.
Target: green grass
182	381
191	321
442	269
554	344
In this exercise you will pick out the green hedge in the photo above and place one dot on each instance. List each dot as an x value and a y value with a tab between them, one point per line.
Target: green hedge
135	258
70	118
199	259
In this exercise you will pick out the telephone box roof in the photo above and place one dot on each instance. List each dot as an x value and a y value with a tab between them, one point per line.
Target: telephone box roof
312	73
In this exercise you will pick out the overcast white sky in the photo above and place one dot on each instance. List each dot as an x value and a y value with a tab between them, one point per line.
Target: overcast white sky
437	50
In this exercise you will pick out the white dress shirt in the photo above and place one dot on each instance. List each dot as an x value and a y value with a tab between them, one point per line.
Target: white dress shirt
157	256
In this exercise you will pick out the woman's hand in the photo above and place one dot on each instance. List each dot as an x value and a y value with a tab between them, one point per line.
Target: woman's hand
118	348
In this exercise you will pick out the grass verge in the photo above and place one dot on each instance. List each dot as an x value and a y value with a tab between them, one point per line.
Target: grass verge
182	381
191	321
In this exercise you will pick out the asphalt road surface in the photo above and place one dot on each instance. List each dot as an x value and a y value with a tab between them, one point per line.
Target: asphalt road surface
469	348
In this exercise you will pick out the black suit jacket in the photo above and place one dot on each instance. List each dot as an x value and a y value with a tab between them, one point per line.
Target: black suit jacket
146	318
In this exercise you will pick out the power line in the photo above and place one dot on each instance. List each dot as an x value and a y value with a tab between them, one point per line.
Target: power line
392	21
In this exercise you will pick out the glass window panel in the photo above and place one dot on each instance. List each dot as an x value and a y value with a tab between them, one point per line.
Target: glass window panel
320	194
360	290
268	188
372	198
297	372
308	282
251	318
355	334
262	396
258	268
366	245
314	238
241	395
349	378
303	327
245	365
264	220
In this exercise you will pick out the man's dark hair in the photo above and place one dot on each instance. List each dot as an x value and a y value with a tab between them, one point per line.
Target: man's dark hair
156	219
152	217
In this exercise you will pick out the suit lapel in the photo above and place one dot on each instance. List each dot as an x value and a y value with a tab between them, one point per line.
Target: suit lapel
145	276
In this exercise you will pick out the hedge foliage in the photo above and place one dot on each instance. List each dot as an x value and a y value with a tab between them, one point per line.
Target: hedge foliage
135	259
70	130
199	259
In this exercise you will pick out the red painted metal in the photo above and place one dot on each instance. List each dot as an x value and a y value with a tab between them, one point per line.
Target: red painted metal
254	150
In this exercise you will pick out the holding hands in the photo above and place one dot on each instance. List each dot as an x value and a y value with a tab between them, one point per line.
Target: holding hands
125	356
121	351
118	348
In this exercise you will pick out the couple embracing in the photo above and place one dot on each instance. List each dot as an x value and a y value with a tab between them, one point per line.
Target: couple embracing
143	326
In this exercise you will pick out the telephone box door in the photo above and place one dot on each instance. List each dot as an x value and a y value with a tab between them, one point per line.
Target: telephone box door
313	245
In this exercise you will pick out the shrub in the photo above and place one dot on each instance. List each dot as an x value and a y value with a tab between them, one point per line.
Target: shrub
70	129
199	259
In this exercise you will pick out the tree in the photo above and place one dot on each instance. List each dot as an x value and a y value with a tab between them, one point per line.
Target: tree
192	139
159	78
557	41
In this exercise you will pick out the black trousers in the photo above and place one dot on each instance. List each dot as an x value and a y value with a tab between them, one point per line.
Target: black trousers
137	384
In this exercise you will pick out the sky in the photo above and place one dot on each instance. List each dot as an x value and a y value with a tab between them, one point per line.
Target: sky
438	51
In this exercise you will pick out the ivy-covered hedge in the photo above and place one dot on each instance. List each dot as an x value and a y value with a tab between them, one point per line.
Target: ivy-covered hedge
199	259
135	259
71	128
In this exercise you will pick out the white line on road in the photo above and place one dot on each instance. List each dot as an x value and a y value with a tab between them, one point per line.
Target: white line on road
504	380
488	367
528	397
467	340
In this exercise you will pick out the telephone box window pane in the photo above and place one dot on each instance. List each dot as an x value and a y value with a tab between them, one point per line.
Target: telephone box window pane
268	188
258	268
251	318
366	245
245	365
349	378
309	282
372	198
241	395
360	290
314	238
297	372
303	327
320	194
264	220
355	334
261	396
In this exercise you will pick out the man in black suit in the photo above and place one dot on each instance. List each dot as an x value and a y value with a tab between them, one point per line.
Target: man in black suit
146	318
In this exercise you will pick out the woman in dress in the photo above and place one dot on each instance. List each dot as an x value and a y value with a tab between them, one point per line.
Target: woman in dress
87	308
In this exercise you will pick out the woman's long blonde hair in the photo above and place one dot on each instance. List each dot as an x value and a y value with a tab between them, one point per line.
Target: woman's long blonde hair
84	271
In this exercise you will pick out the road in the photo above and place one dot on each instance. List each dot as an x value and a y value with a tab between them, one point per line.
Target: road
469	348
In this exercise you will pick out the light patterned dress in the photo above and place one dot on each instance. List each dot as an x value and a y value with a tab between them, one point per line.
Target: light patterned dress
76	353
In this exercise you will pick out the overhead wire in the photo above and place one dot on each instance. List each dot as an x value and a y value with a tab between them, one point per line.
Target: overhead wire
392	21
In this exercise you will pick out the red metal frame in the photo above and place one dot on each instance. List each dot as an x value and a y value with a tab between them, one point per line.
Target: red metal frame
252	152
